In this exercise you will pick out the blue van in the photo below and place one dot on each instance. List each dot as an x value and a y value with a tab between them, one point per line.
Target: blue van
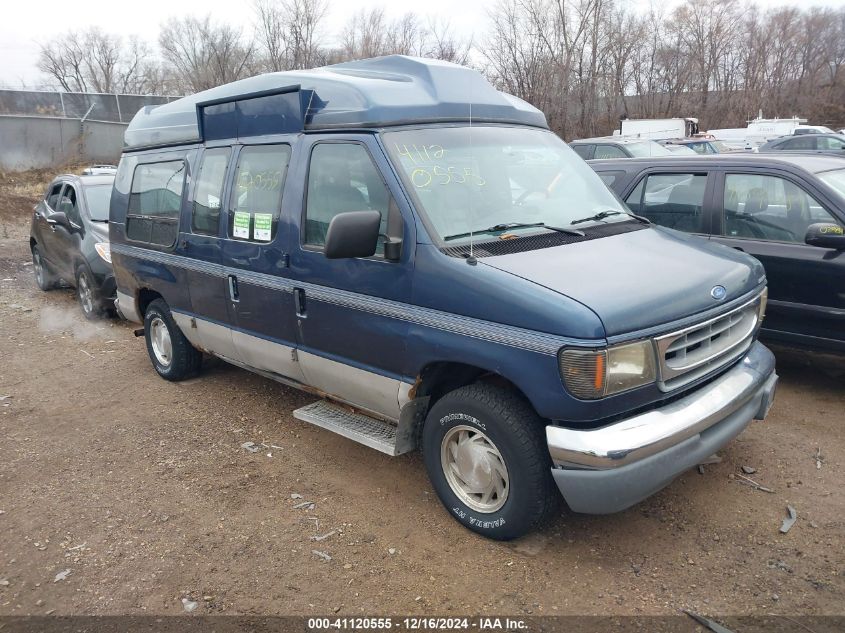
422	254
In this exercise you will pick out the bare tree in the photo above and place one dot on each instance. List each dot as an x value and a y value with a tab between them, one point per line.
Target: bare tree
204	54
370	33
98	62
585	63
289	31
64	60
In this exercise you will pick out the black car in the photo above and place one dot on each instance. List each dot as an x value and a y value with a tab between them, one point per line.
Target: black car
827	143
787	210
69	239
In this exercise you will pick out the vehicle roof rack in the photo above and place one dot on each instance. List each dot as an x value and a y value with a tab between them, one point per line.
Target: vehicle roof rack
379	92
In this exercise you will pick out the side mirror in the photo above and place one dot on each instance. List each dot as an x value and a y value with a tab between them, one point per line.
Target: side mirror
352	234
60	218
392	248
826	235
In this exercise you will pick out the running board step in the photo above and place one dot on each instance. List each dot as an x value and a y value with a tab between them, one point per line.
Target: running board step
358	427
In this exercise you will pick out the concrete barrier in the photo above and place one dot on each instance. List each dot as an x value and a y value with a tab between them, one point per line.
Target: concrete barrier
27	142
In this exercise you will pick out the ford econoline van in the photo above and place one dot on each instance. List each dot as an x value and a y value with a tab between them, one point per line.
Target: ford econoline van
442	272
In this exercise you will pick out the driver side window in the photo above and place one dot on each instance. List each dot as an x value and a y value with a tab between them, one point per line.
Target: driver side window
805	142
341	178
52	198
769	208
69	205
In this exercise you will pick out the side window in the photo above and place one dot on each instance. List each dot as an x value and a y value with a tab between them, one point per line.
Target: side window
342	177
802	142
582	150
257	194
829	142
610	177
769	208
52	197
208	195
70	206
635	198
672	200
609	151
155	202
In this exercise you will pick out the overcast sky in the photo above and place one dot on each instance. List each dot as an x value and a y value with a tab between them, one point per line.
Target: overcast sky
26	24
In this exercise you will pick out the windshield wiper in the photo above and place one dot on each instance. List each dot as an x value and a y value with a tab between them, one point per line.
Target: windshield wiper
601	215
515	225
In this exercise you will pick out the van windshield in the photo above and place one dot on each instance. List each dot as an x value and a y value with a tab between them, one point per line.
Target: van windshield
482	178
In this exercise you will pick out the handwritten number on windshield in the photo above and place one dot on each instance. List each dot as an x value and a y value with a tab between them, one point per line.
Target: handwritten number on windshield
421	153
438	174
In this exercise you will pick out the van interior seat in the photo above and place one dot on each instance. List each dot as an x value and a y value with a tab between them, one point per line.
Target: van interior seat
797	213
329	193
756	201
681	211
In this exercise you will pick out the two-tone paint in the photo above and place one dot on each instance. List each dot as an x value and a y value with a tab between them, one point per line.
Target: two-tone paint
508	315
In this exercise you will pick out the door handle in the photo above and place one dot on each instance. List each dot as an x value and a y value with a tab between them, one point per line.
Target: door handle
233	289
299	302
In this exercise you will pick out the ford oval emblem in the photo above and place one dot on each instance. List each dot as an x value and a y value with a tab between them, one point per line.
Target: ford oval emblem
718	292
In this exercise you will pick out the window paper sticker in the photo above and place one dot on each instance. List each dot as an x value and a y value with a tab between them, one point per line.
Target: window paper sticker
241	225
263	225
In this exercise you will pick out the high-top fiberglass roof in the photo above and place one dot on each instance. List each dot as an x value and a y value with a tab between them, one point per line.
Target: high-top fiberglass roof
384	91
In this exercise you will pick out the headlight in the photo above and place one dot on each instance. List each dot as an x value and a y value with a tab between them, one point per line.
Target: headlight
592	374
103	250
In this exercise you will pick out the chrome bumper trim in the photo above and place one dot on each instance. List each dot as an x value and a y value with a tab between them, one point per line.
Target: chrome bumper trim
649	433
125	305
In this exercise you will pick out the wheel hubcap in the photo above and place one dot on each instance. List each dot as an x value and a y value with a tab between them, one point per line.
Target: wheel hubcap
160	340
85	296
475	469
39	268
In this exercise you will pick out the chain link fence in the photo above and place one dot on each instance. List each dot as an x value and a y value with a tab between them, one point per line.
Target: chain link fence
76	105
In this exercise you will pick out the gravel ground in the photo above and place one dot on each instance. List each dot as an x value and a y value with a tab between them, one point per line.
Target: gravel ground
137	492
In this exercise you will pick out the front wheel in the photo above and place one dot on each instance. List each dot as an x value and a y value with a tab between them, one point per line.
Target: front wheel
485	452
88	295
172	355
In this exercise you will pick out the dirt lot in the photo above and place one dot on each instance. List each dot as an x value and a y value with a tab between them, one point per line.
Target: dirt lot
141	490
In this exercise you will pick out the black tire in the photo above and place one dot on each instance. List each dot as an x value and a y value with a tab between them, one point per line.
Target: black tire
88	295
183	360
507	421
44	277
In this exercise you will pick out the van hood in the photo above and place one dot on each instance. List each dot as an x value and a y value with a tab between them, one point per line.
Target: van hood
639	279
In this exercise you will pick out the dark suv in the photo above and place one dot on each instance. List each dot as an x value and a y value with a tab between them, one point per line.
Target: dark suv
69	239
787	210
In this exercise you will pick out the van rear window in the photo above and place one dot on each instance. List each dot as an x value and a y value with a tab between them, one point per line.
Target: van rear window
155	203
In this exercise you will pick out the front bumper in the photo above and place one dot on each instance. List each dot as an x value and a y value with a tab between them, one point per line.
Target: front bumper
606	470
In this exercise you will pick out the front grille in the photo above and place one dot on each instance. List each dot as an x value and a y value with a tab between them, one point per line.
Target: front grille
698	350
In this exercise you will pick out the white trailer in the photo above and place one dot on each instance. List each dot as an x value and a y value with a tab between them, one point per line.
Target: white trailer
658	129
759	131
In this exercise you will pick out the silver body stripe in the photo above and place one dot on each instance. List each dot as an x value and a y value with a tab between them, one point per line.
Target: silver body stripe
509	335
